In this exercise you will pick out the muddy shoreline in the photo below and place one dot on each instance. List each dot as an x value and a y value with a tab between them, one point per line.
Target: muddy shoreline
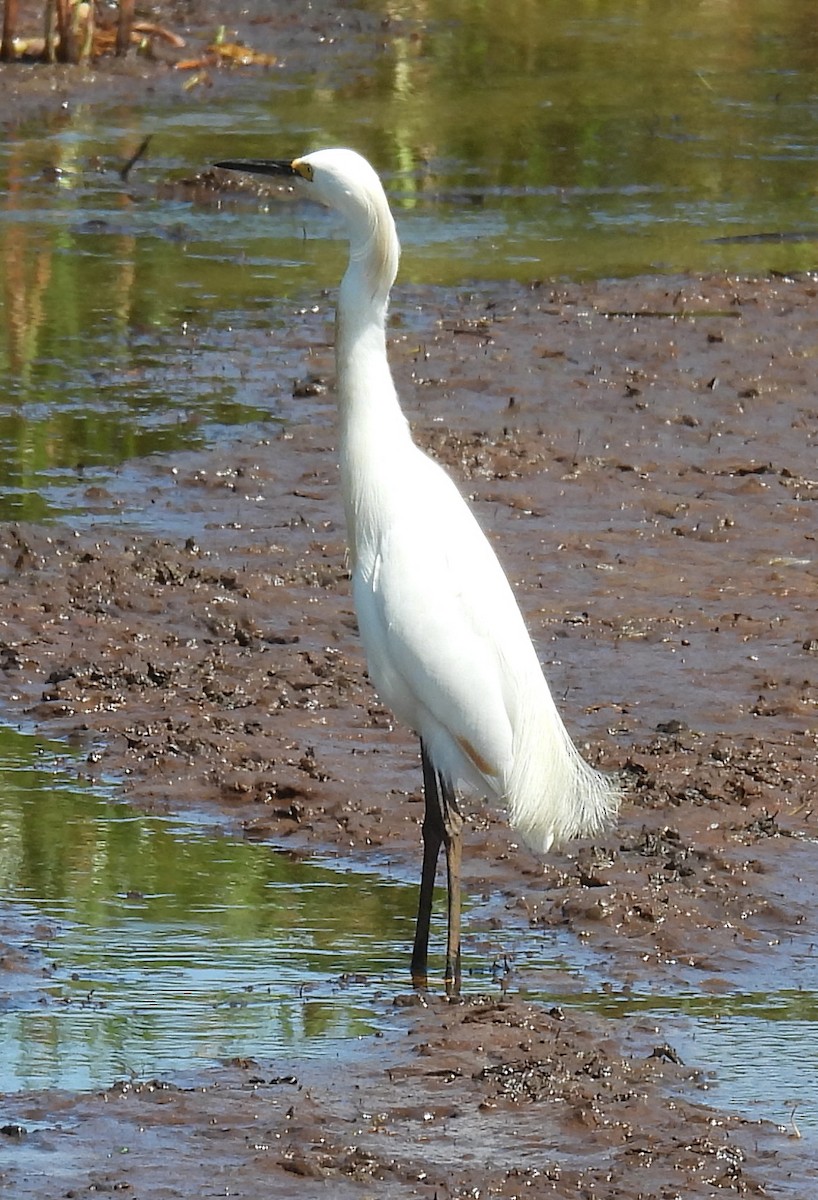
219	670
643	453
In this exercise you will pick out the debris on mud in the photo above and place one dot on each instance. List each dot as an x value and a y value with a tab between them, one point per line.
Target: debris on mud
644	455
222	667
474	1098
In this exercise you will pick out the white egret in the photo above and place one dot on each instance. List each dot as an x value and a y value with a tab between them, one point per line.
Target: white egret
446	644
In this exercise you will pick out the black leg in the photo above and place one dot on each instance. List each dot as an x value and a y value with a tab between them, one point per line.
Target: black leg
442	825
432	840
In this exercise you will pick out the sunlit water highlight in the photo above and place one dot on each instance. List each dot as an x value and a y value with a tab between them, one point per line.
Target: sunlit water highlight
524	142
146	946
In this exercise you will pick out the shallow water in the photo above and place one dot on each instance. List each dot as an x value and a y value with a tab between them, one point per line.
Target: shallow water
146	946
161	946
755	1049
580	139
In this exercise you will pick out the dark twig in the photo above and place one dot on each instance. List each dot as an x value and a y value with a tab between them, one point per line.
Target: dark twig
9	28
124	28
66	48
135	157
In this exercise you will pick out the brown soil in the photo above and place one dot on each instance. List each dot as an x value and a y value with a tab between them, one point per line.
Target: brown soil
644	456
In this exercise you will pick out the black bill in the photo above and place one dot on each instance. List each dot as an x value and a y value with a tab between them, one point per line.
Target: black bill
260	166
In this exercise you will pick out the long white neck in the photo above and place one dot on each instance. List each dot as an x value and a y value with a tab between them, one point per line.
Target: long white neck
364	379
372	425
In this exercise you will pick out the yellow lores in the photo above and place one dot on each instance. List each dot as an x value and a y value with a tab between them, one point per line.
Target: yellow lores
445	642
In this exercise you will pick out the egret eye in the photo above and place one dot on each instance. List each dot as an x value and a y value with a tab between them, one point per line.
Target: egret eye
304	169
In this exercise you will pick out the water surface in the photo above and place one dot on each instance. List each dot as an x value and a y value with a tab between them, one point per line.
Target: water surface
161	946
522	142
146	946
578	139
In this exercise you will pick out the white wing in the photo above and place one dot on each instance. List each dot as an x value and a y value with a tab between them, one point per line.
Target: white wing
449	652
447	647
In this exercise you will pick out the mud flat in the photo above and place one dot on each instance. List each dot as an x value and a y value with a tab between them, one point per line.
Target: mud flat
644	455
641	451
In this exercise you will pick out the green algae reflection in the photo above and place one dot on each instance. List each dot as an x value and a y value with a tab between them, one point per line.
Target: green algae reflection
142	944
523	141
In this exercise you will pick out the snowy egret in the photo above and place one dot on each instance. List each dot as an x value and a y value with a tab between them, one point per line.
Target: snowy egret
446	645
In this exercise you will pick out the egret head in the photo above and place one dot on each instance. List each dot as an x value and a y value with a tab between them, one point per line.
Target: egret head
344	181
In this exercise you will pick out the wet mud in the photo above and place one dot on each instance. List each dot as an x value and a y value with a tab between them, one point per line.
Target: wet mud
483	1098
643	454
176	56
644	457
